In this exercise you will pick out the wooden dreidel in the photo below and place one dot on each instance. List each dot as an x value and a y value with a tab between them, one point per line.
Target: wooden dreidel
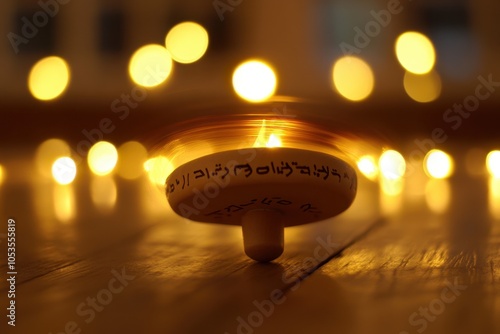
264	190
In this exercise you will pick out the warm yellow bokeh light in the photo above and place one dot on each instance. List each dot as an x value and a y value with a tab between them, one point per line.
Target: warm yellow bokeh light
494	197
64	202
367	165
102	158
353	78
131	158
49	78
48	152
254	81
158	169
187	42
391	195
2	174
64	170
438	164
391	187
493	163
392	165
150	65
103	192
438	195
415	52
422	87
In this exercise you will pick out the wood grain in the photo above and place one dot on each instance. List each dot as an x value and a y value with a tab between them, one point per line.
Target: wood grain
184	277
403	269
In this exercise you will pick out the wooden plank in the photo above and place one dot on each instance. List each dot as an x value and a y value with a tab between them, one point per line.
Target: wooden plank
420	272
187	277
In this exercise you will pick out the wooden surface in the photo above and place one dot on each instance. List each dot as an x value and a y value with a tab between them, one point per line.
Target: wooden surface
398	267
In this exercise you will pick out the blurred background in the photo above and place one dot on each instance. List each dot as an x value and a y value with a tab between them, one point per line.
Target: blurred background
88	87
95	43
423	75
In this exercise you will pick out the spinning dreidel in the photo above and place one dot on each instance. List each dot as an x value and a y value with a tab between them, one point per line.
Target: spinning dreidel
288	174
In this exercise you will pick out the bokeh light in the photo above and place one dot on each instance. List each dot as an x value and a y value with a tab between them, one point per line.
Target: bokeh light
131	158
392	168
392	165
391	195
64	202
353	78
150	65
493	163
422	87
438	164
102	158
438	195
391	187
48	152
103	192
2	174
367	165
254	81
49	78
64	170
415	52
494	197
158	169
187	42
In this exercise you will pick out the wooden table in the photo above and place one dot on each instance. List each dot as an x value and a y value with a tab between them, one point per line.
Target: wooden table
411	263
